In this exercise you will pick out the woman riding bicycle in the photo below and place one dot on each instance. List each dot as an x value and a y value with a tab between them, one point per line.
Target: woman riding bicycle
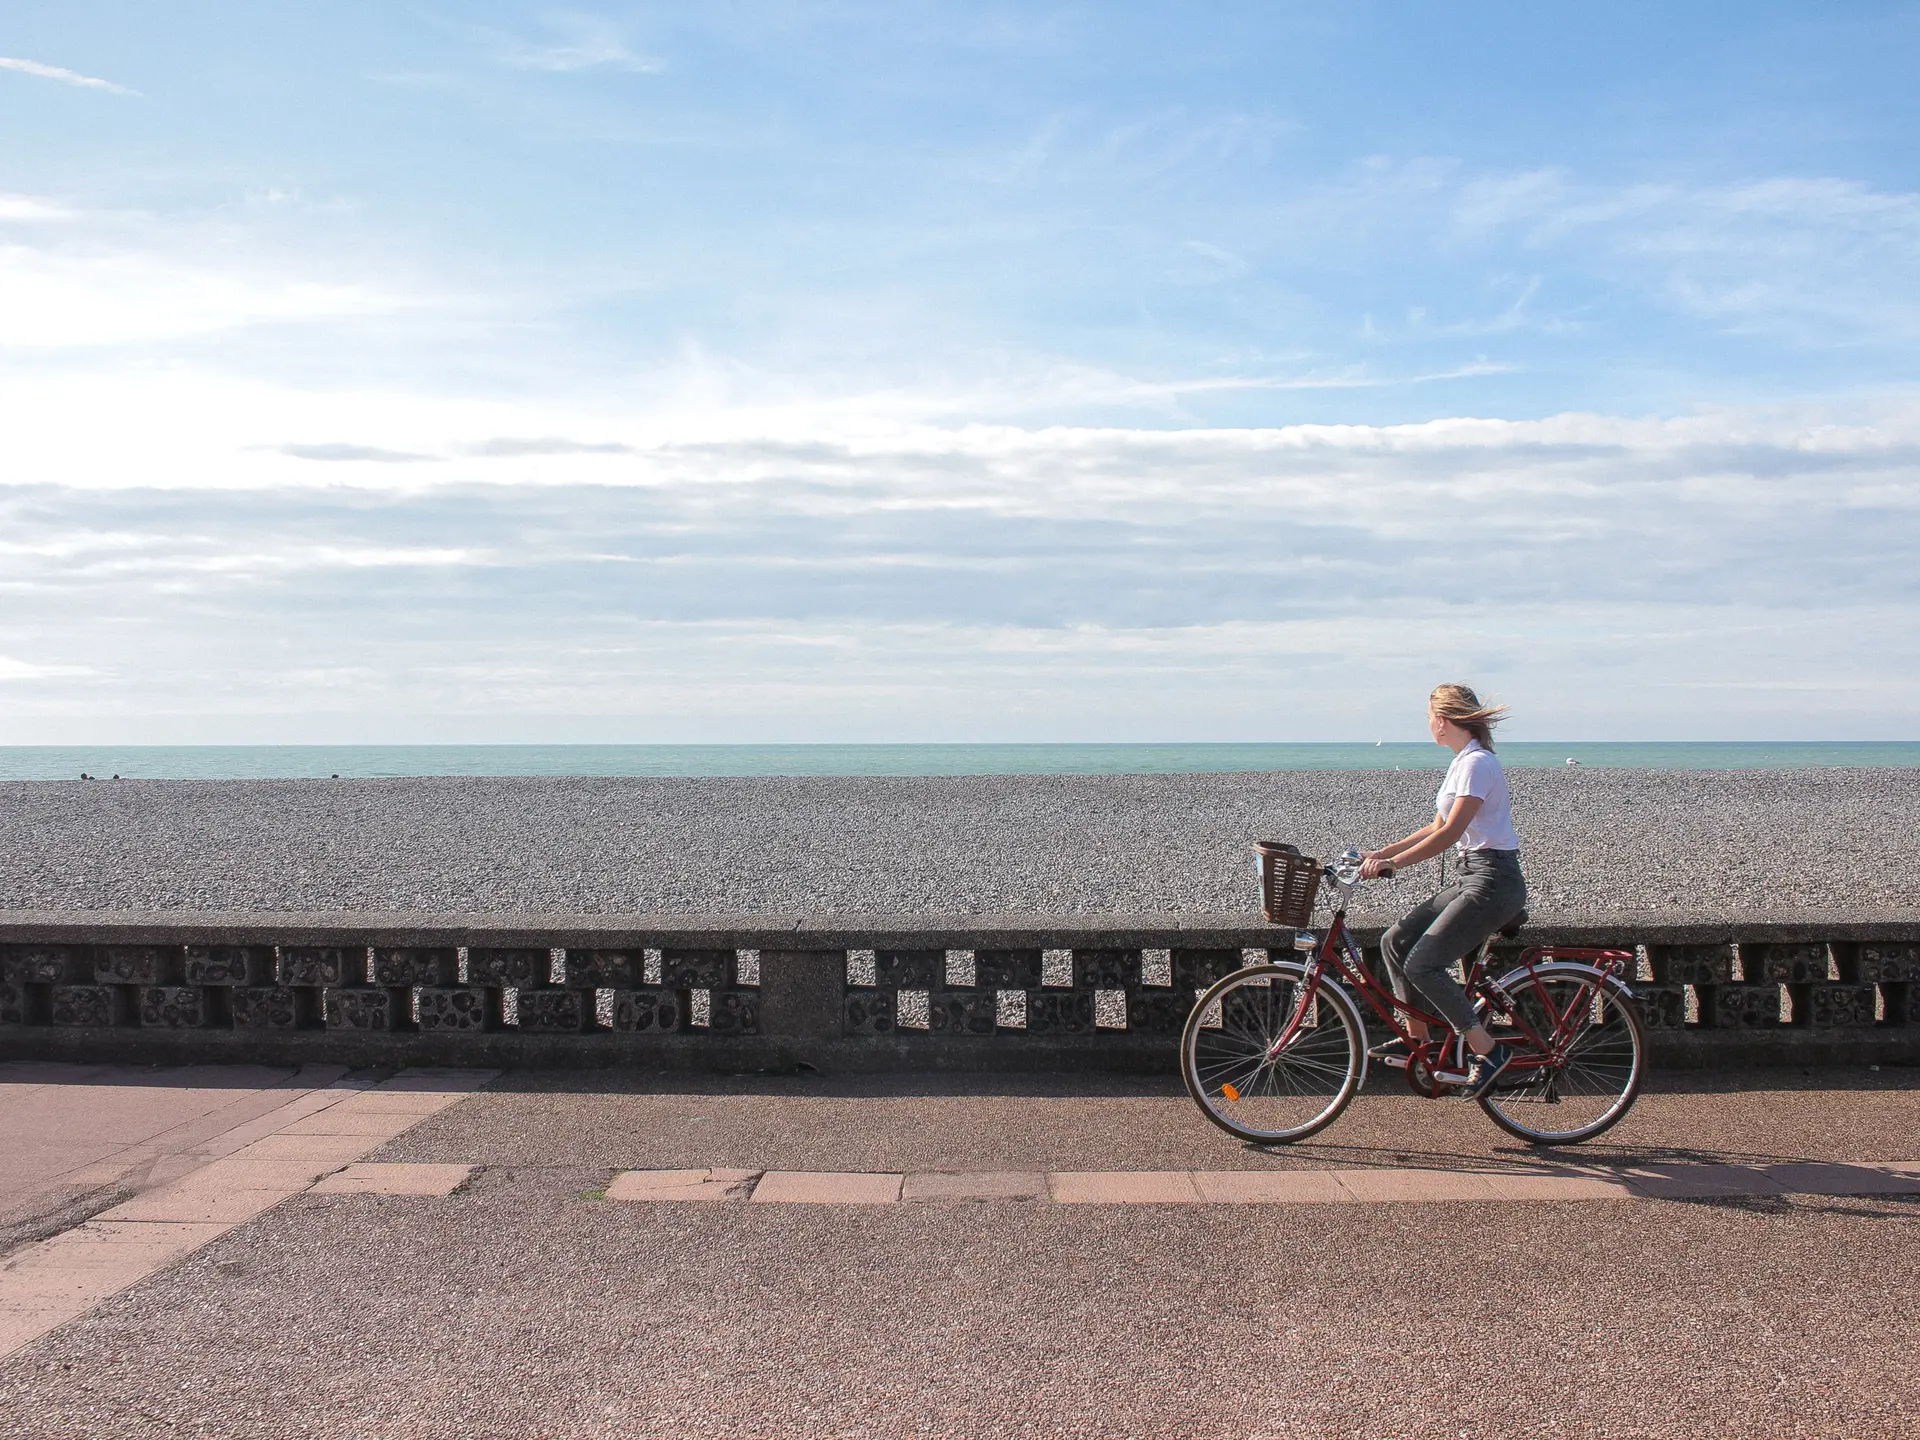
1473	811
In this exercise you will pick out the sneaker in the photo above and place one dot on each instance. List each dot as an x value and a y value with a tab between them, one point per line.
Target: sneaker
1394	1054
1484	1070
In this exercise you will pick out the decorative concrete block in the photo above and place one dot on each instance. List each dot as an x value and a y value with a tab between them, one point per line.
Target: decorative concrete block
1105	969
173	1007
1059	1012
961	1013
138	965
1197	969
1691	964
1740	1007
1158	1012
910	969
321	965
44	964
1841	1006
646	1010
605	969
456	1007
515	968
365	1007
696	969
1877	963
228	964
1662	1007
1007	969
409	966
265	1007
82	1005
869	1012
734	1012
1784	964
556	1012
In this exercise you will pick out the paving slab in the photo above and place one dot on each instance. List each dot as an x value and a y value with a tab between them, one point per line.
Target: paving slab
1682	1181
644	1185
197	1205
318	1148
1270	1187
401	1179
1123	1187
991	1185
1558	1187
815	1188
1420	1187
1829	1179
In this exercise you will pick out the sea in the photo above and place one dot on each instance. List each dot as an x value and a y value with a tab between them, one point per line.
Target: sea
258	762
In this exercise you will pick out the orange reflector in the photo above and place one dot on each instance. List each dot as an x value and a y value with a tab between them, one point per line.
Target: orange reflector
1230	1092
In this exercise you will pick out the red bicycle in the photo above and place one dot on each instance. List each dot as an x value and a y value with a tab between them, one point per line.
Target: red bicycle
1273	1053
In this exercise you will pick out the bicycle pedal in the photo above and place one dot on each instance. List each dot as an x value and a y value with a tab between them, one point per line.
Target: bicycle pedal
1394	1062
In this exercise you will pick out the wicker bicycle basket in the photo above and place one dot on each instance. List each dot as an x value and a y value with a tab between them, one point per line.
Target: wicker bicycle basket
1289	883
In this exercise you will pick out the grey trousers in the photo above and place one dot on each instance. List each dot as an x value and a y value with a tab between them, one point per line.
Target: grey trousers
1451	925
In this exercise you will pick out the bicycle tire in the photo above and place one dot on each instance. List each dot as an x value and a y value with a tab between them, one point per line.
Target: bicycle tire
1316	1078
1613	1049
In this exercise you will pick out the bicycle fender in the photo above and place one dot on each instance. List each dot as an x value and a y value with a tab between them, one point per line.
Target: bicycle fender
1606	979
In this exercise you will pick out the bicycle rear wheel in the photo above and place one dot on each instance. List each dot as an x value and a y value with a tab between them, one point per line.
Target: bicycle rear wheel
1593	1075
1242	1084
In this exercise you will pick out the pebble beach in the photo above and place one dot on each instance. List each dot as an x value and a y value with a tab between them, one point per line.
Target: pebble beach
1680	845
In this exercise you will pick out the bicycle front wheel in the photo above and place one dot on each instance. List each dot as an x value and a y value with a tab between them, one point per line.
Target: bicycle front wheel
1248	1084
1592	1075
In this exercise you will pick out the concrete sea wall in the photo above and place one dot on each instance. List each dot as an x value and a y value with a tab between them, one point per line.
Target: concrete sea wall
859	994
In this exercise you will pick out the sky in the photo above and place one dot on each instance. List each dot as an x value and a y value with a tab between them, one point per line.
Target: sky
957	372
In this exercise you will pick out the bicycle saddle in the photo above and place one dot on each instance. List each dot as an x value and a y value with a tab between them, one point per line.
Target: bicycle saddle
1512	928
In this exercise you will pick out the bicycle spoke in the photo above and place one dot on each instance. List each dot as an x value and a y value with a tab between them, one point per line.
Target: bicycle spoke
1251	1083
1592	1059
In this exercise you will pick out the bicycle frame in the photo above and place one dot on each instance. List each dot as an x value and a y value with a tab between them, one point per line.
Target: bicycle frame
1338	955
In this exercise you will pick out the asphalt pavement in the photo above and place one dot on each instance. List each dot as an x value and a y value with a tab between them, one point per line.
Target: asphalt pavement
530	1301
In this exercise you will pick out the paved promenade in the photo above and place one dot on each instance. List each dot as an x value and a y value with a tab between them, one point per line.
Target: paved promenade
312	1254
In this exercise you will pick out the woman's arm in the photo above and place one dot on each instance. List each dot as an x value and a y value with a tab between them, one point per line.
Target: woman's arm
1425	844
1399	847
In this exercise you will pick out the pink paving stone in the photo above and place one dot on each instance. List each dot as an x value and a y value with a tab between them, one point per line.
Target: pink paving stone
1123	1187
1686	1182
396	1102
1270	1187
233	1173
1812	1178
670	1185
339	1120
193	1205
975	1185
813	1187
336	1148
1558	1187
395	1179
1414	1186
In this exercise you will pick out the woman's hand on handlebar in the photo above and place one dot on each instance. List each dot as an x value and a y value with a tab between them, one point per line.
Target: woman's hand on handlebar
1376	866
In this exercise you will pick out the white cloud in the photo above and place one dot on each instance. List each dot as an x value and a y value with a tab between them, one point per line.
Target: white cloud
578	43
11	669
65	77
31	208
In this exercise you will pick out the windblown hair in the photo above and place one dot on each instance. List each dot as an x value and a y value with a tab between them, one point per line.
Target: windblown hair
1459	704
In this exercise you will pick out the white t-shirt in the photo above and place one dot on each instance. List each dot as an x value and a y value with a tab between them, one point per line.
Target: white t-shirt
1476	771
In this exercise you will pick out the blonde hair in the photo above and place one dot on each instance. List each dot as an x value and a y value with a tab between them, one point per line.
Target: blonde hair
1459	704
